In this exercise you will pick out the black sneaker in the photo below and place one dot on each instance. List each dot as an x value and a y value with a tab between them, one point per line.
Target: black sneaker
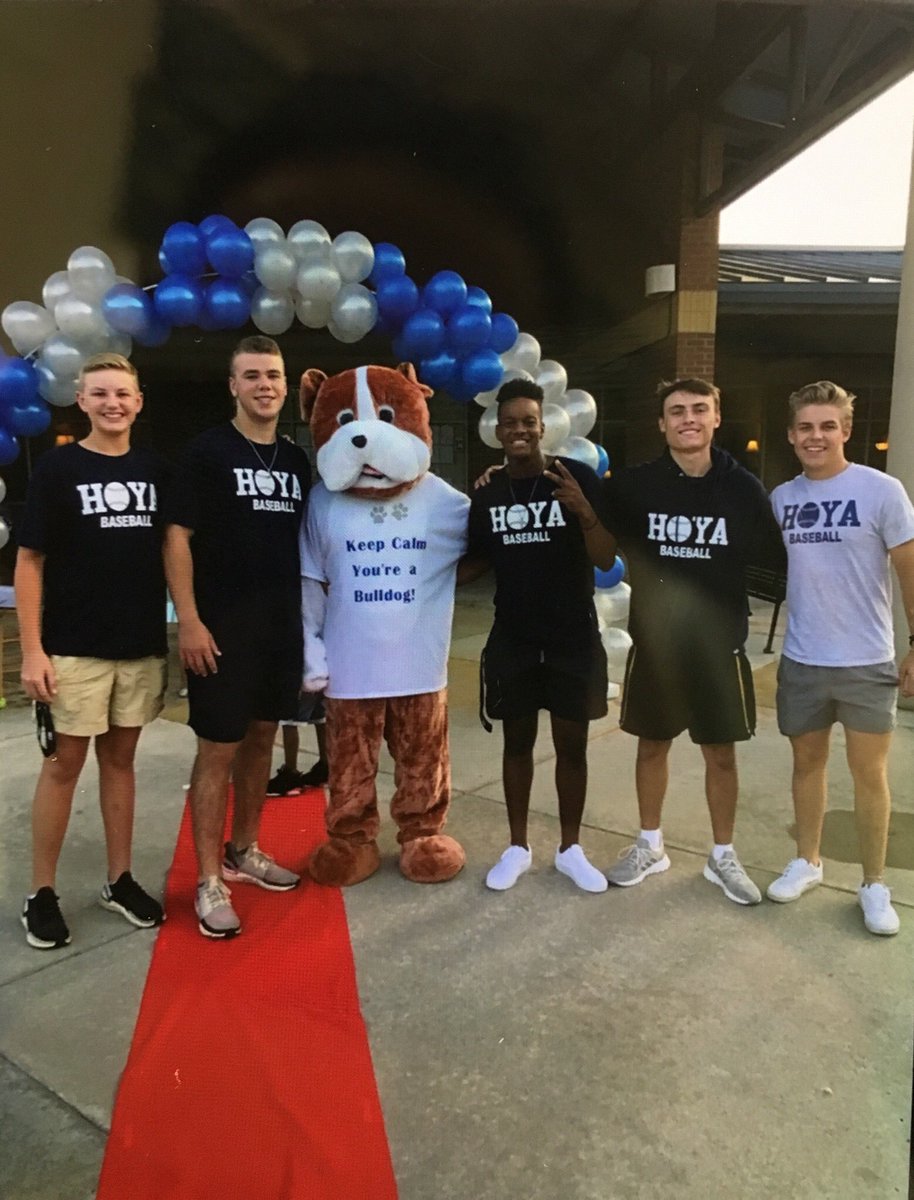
318	775
286	782
44	926
125	896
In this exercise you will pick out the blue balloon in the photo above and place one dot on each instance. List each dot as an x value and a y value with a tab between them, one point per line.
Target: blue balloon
18	383
440	371
482	370
388	261
468	329
249	282
227	304
397	297
27	420
444	292
609	579
183	249
213	223
164	263
475	295
399	349
156	333
128	309
230	252
178	300
504	332
9	447
422	334
602	461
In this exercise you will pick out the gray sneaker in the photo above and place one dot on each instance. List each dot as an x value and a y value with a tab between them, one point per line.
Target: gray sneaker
253	866
727	872
215	916
636	862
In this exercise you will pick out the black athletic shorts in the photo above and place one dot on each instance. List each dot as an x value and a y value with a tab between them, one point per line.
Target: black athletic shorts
519	678
259	679
709	694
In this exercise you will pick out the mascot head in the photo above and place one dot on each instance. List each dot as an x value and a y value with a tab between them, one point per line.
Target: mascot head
369	427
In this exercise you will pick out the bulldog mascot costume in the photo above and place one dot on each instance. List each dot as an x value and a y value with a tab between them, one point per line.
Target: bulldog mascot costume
379	554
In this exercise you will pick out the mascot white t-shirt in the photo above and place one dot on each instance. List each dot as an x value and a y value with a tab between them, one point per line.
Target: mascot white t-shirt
390	565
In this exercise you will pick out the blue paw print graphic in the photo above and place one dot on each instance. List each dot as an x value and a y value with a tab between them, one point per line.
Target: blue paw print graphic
399	512
378	514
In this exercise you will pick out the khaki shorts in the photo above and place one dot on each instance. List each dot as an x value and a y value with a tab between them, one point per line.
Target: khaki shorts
95	693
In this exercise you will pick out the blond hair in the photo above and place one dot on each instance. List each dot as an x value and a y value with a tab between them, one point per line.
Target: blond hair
823	392
107	361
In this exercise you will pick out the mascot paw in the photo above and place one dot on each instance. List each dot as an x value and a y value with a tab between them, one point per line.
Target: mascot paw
339	864
432	859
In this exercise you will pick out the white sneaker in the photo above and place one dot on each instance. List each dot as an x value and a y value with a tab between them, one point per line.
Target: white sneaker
798	877
573	863
509	868
878	914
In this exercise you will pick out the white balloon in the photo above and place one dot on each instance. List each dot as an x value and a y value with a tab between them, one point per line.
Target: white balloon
61	356
612	604
120	343
275	266
307	237
616	643
27	325
553	379
264	231
353	256
91	272
487	424
4	533
272	312
80	320
313	313
484	399
613	691
581	449
558	427
524	355
56	286
353	312
582	409
2	491
318	281
57	390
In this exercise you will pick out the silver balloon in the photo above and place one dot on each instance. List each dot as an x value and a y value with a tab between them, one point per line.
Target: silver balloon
56	287
612	604
616	643
558	427
353	312
582	410
57	390
276	266
61	356
487	423
263	231
91	272
27	325
2	491
581	449
120	343
484	399
272	312
81	320
313	313
4	533
553	379
353	256
318	281
524	355
307	237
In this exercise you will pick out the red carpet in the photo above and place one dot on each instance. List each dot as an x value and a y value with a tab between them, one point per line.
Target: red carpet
250	1076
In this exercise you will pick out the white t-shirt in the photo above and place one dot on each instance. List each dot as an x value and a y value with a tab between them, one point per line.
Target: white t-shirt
838	533
390	566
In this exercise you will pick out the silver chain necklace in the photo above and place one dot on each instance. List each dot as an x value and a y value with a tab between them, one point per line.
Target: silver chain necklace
267	466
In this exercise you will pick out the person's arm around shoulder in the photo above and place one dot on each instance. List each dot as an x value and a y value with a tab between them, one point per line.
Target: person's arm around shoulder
196	644
598	541
903	561
38	678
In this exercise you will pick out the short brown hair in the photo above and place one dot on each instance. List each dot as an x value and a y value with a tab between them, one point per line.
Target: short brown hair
107	361
823	392
694	387
257	343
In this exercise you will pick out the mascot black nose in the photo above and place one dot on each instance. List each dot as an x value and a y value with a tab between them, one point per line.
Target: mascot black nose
360	441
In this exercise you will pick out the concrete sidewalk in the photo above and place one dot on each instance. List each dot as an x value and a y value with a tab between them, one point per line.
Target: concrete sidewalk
542	1043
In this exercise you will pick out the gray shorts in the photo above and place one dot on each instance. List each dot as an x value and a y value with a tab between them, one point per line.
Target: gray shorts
813	698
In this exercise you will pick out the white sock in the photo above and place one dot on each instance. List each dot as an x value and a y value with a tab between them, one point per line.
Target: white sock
720	851
653	837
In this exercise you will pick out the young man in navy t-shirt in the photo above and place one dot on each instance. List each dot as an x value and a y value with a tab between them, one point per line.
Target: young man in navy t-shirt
90	593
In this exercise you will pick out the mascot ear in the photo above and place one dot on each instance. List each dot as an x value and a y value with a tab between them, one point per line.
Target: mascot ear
408	371
310	385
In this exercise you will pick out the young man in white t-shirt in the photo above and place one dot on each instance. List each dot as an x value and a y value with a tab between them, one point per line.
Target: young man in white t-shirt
843	524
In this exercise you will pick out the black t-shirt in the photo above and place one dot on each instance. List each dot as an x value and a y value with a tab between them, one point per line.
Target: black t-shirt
687	541
97	520
543	573
244	503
